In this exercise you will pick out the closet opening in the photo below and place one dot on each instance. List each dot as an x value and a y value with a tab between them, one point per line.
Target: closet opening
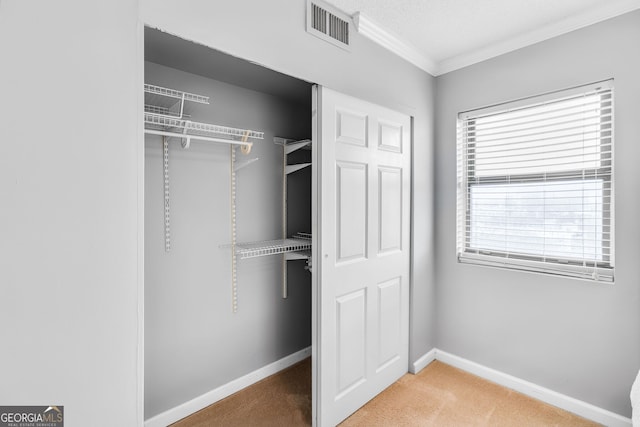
227	224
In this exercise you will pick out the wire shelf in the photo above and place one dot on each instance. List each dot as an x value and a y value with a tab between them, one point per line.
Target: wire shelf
178	94
155	109
273	247
177	124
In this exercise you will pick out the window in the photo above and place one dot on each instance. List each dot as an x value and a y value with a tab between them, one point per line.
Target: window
535	184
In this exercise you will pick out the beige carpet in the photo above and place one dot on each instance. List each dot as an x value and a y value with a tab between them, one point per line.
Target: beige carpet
439	395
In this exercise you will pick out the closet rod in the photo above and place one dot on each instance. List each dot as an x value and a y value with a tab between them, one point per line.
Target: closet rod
200	138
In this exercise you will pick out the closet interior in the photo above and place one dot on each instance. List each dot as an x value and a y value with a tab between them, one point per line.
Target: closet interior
227	219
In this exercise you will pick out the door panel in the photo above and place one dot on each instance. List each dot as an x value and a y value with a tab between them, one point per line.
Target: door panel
390	136
361	252
390	209
351	211
389	322
351	127
351	336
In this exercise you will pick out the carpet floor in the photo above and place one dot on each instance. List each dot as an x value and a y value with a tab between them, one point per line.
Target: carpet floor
439	395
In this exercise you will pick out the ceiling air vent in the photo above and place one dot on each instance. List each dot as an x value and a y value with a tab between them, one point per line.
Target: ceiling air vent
328	23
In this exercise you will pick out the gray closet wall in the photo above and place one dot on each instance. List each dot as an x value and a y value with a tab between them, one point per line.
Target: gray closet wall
193	341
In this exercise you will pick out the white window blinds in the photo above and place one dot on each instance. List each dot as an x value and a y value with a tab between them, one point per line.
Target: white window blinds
535	184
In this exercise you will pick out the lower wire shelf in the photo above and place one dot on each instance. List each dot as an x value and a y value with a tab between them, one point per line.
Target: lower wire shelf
300	243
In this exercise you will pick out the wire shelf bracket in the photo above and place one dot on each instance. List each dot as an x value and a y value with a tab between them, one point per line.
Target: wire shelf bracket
289	169
244	164
291	145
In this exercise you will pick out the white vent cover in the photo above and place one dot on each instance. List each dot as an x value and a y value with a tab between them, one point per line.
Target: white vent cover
328	23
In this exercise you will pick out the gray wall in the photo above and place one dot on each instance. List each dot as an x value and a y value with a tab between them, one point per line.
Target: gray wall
194	343
273	34
575	337
70	134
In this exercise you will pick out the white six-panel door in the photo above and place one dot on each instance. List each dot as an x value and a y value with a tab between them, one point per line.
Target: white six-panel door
362	256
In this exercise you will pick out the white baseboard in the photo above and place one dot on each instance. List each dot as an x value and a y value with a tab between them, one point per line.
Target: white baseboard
546	395
201	402
422	363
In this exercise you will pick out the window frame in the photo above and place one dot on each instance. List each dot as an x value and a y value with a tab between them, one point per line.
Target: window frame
598	270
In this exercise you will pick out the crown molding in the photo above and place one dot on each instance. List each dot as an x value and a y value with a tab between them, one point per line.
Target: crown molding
384	38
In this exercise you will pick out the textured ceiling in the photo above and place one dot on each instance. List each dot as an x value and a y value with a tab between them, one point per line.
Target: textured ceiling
442	30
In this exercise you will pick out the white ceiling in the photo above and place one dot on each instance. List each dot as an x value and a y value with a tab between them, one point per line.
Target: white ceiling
444	35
